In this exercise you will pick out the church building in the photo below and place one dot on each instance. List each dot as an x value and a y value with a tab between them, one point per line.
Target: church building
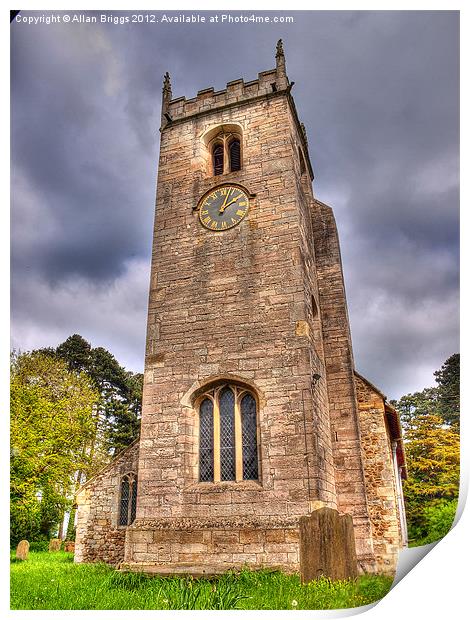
254	415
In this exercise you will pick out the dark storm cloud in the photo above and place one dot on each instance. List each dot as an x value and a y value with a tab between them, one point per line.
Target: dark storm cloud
74	149
378	93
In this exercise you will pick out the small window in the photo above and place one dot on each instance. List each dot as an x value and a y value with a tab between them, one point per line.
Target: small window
128	499
218	159
234	149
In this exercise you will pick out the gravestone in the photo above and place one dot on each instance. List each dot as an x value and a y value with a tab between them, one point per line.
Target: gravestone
55	544
327	546
22	550
69	546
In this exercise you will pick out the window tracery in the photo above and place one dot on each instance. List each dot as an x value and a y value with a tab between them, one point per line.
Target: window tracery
228	434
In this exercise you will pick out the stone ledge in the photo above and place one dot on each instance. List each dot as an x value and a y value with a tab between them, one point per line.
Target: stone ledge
196	523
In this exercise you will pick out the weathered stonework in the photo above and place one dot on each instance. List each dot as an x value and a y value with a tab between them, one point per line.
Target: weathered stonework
208	546
379	424
263	306
99	538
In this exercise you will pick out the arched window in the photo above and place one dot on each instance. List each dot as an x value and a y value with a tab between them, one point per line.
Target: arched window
127	499
228	442
234	150
218	158
224	148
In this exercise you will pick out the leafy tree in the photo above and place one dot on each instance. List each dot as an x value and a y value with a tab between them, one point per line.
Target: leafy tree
119	409
52	429
448	390
432	452
438	519
414	405
125	415
430	425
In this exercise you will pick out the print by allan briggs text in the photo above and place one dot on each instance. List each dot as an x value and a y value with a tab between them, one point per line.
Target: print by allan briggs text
150	18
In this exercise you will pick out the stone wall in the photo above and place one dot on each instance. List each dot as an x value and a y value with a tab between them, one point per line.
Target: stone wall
99	538
380	479
198	546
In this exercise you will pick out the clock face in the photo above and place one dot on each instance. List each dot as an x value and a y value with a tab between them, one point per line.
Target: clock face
223	208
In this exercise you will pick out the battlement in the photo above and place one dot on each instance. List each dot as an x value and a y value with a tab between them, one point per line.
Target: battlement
268	82
236	91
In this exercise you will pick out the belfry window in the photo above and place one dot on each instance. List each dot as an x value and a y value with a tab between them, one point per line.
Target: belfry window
224	146
228	442
127	499
218	159
234	150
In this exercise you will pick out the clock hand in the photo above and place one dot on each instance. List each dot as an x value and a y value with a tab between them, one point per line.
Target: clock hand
232	201
222	208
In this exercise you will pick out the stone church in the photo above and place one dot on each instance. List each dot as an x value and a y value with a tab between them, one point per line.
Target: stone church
254	415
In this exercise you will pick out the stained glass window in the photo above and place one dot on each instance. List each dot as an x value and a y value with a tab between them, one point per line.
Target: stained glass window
227	434
206	441
249	443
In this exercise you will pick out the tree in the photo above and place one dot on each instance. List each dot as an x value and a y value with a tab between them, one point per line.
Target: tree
430	424
448	390
120	405
433	454
414	405
125	415
52	429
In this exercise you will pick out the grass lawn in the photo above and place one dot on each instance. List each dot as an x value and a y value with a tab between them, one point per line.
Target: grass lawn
52	581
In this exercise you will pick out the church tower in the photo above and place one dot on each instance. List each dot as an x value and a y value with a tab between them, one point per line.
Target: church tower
253	415
246	323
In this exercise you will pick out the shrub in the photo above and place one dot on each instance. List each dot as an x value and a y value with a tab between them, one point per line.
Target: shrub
439	519
39	545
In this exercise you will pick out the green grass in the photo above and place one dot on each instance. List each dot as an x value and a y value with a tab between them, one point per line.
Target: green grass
52	581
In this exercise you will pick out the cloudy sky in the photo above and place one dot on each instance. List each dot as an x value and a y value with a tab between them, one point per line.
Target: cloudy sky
378	93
